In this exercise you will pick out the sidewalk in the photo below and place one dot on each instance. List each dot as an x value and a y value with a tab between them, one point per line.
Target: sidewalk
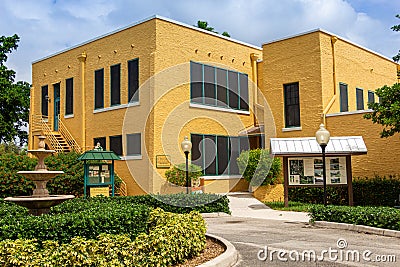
243	204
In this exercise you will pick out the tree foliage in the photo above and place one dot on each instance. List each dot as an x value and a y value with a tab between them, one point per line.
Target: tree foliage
396	28
204	25
387	111
14	97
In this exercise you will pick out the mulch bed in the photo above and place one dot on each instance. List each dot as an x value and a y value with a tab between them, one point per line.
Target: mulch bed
213	249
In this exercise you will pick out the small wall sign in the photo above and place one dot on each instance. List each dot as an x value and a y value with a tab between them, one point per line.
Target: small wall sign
96	191
163	161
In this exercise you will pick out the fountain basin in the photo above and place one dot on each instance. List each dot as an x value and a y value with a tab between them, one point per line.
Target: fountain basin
40	175
39	205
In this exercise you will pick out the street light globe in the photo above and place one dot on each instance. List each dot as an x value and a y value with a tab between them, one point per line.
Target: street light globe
322	135
186	145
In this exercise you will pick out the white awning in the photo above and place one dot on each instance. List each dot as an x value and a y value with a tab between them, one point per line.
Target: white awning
341	145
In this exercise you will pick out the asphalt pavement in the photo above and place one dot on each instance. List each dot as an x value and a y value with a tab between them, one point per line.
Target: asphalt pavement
265	237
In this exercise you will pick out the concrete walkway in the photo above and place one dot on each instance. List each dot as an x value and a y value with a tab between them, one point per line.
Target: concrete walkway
243	204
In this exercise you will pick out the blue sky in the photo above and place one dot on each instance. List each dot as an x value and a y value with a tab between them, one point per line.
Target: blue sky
48	26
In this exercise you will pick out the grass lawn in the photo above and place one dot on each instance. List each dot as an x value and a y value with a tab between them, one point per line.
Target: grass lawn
293	206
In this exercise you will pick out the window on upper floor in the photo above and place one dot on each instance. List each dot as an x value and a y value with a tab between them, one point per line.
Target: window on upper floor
217	154
99	89
371	97
45	103
344	99
134	145
100	140
133	80
292	105
213	86
115	85
116	144
360	98
69	96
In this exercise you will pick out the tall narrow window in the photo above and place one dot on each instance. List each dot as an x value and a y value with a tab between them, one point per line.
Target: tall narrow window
222	86
344	102
99	89
115	72
133	80
116	144
360	99
292	105
371	97
196	82
244	92
233	89
209	85
69	96
133	144
101	141
45	103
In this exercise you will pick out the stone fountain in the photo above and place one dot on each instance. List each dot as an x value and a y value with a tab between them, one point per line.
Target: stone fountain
40	201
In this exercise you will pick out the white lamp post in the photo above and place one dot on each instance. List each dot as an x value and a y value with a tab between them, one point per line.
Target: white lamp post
323	136
186	147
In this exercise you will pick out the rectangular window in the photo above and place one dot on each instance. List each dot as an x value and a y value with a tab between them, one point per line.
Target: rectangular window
360	99
134	145
218	87
217	154
101	141
344	101
45	103
371	97
69	96
99	89
292	105
133	80
116	144
115	74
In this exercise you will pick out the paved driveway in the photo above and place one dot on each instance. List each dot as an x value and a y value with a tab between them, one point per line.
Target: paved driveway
251	236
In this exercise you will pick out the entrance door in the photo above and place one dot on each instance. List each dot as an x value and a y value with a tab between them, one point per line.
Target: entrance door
56	105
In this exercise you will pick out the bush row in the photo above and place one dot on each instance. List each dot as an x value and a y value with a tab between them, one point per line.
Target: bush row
177	203
381	217
111	218
375	191
171	239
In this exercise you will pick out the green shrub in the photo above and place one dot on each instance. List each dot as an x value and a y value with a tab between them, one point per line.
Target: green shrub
177	175
381	217
375	191
99	218
13	184
171	239
258	167
177	203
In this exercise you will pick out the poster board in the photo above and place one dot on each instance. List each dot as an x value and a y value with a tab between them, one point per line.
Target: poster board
309	171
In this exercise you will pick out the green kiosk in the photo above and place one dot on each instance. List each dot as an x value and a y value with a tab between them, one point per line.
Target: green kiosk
98	172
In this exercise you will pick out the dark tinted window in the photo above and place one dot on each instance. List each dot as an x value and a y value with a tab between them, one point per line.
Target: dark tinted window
222	93
133	80
69	96
244	92
360	99
233	89
133	144
292	105
209	85
101	140
115	72
371	97
99	88
45	103
196	82
344	102
116	144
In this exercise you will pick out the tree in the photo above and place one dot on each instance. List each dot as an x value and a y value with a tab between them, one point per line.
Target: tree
396	28
387	111
204	25
14	97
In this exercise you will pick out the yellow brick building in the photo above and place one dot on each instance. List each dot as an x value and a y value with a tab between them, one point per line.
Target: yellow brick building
139	90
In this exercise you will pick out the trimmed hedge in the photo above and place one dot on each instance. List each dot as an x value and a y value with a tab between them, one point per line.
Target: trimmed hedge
171	239
177	203
375	191
111	218
177	175
381	217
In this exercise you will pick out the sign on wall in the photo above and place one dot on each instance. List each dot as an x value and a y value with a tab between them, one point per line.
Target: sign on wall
308	171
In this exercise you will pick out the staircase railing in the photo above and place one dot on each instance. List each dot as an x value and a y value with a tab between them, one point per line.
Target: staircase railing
62	129
40	124
122	189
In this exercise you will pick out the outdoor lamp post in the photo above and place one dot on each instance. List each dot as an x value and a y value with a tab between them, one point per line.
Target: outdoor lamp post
322	136
186	147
